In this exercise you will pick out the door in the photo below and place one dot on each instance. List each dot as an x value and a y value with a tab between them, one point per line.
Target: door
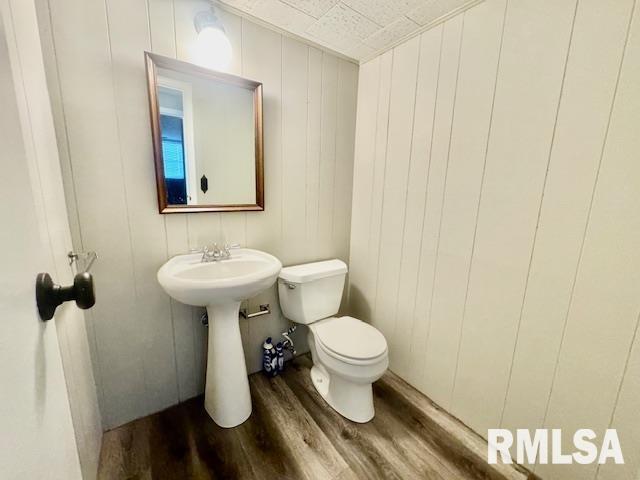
36	433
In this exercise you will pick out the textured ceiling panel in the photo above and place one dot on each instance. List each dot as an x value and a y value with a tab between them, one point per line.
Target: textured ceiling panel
385	37
282	15
315	8
384	12
428	11
356	28
342	21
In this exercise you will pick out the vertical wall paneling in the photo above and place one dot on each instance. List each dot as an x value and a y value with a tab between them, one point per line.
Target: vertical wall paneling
94	153
400	125
295	64
162	38
149	350
363	168
436	181
375	197
517	301
474	100
128	35
424	114
603	313
343	174
521	134
592	70
263	61
314	121
326	175
625	419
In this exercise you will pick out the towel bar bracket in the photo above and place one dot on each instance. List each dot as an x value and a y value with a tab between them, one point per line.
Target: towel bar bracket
264	310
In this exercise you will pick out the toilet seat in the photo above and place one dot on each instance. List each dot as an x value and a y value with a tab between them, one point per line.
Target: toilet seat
349	340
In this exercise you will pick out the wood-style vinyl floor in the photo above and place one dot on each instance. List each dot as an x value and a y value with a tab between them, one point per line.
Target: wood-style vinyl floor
293	434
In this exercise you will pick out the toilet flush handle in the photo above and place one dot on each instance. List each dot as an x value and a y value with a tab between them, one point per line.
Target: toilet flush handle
290	286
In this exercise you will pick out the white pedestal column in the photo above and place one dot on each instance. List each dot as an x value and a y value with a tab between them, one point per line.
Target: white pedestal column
227	398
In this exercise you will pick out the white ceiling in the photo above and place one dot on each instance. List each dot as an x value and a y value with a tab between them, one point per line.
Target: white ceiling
358	29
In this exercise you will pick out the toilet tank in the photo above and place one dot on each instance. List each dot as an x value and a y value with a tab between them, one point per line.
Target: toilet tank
311	291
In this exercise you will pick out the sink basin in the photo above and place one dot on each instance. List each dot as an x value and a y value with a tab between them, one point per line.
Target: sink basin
187	279
221	286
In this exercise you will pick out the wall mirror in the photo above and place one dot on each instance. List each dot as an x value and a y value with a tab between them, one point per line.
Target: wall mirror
207	138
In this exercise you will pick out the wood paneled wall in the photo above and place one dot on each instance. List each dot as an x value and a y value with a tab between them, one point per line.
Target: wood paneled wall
149	352
495	225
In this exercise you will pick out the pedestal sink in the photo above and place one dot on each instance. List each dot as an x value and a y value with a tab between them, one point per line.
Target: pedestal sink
220	286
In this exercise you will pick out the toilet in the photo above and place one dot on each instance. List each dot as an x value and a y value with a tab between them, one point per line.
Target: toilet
348	354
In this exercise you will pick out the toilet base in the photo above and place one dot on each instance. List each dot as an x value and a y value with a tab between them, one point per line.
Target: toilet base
353	401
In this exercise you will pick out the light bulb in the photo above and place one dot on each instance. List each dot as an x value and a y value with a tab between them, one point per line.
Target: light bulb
212	49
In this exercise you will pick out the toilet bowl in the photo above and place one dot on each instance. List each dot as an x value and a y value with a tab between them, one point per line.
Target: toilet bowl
348	354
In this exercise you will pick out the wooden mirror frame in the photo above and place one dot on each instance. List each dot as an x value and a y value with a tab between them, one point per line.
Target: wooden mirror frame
153	62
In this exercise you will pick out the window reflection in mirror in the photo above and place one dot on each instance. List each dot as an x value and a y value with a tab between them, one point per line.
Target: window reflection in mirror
176	172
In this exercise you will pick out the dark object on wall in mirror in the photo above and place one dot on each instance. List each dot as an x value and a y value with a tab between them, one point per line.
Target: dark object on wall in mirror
49	295
204	184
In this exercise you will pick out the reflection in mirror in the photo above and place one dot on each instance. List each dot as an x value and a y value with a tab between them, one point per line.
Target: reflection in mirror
207	129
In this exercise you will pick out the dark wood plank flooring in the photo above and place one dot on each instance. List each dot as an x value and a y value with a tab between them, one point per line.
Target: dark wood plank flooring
293	434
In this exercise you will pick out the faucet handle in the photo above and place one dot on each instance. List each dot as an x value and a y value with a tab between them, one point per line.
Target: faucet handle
226	252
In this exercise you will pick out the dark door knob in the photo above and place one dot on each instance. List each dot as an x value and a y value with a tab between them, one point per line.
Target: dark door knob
49	295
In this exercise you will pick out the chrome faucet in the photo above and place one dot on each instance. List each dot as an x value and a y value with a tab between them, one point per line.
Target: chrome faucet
210	254
216	254
226	252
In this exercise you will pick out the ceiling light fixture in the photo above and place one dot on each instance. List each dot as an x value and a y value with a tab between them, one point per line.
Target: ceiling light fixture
212	48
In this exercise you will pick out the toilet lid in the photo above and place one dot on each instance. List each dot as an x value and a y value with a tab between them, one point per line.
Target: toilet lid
350	337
